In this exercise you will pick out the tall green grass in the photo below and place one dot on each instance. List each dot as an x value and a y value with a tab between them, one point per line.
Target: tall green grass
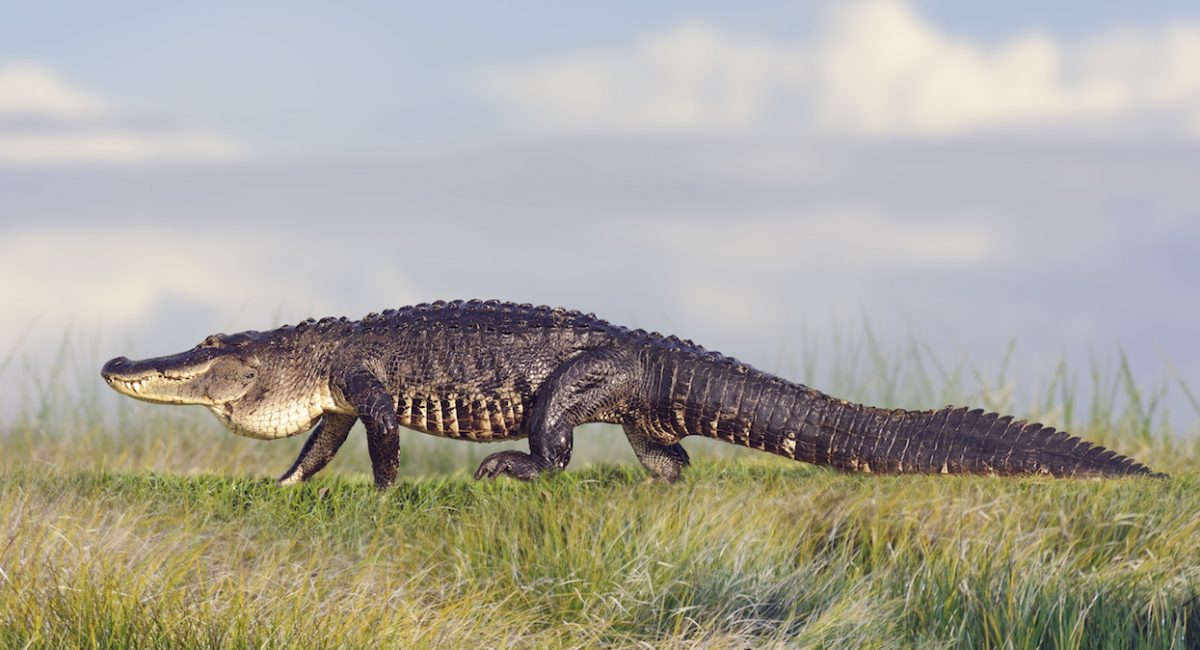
124	524
67	418
740	554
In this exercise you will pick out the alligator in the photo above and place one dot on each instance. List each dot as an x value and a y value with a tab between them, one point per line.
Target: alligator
490	371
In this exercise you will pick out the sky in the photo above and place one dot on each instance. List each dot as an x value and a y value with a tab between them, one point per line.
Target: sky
758	177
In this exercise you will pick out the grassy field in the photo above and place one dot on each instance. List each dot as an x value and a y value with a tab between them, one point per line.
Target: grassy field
128	525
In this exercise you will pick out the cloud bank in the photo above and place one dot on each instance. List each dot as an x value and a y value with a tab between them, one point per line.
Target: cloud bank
1065	249
873	68
46	121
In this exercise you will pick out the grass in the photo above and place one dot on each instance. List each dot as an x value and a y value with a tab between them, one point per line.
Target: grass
739	554
126	525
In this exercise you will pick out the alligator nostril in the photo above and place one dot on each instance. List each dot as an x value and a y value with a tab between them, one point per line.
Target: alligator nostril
113	366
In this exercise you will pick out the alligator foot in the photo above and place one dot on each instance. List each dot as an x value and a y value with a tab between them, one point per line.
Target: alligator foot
516	464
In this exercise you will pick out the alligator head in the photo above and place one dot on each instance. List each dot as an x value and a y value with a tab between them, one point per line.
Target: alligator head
252	382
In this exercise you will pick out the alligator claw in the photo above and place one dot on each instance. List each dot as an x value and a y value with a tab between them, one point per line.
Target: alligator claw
516	464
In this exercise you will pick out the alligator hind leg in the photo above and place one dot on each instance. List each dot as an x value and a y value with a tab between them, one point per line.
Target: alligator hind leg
664	462
319	448
578	391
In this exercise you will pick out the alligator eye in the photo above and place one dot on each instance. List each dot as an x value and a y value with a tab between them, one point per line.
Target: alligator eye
249	375
214	341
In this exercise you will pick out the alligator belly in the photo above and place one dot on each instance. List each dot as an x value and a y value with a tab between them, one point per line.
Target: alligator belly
472	417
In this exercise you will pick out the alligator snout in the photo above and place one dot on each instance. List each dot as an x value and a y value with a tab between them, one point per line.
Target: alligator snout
113	367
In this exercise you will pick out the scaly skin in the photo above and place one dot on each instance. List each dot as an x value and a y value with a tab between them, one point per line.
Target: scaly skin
487	371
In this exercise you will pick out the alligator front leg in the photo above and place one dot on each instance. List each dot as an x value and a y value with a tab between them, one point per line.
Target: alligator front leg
378	413
320	447
578	391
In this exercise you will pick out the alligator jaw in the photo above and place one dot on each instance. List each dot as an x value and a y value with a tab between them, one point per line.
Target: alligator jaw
154	382
191	377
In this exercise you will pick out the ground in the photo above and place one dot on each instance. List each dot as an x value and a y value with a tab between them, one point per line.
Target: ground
742	553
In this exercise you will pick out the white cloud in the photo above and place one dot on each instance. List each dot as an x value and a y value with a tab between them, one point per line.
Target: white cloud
722	277
44	120
873	68
847	240
119	146
691	78
28	89
105	273
127	276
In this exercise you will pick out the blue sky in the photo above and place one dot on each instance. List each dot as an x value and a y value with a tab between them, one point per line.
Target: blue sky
756	177
319	77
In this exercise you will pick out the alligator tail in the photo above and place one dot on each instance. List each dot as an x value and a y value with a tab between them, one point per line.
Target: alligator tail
764	412
948	441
